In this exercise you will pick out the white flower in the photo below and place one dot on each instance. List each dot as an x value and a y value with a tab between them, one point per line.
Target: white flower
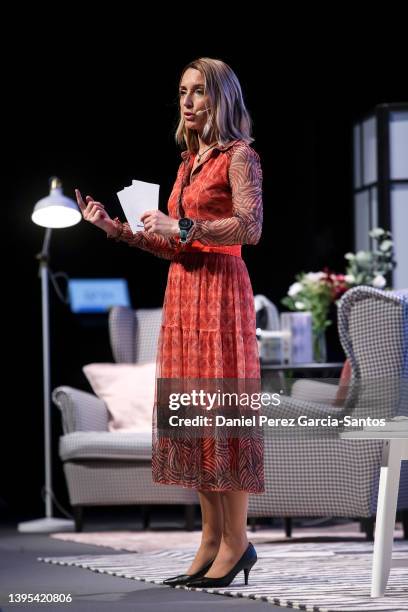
350	278
294	289
363	256
349	256
376	232
379	281
299	305
386	245
314	277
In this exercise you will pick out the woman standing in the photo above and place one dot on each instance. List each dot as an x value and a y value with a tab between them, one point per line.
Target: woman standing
208	326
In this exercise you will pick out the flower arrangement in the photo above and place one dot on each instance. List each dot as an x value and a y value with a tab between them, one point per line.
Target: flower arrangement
316	291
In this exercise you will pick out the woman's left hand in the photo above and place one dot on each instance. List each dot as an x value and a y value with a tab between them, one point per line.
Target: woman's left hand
158	222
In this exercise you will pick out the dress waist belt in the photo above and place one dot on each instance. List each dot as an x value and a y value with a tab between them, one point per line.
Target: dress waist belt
196	246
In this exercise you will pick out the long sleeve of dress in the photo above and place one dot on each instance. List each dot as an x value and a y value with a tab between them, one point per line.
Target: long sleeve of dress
148	241
245	225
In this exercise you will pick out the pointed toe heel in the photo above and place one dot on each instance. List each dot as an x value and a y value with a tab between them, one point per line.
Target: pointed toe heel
182	579
248	559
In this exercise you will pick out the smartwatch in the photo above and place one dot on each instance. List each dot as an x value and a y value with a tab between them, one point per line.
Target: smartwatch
185	225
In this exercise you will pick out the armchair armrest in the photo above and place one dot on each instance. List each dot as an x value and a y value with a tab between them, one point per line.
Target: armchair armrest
80	410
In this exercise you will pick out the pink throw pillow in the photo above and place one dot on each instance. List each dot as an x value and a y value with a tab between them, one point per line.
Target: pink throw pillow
128	391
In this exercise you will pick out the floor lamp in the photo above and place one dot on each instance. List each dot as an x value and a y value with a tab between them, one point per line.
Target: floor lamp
53	211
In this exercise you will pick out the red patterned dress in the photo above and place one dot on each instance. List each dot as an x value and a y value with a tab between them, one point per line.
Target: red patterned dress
208	326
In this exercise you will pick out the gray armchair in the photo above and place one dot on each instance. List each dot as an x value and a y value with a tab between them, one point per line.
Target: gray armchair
330	477
104	468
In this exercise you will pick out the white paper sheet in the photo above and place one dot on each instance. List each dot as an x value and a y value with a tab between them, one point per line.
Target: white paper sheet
136	199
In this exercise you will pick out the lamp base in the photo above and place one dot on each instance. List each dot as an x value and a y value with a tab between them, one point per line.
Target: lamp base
46	525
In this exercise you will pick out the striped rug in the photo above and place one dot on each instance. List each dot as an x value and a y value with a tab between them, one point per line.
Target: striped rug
315	577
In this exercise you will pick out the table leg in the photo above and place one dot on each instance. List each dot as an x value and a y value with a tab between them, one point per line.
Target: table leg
386	513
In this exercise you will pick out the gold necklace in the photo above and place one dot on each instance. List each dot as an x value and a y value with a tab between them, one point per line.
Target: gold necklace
199	155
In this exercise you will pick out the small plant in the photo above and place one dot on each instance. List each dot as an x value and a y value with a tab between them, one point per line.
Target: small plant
371	267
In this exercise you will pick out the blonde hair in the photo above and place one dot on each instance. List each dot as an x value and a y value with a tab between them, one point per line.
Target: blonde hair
228	118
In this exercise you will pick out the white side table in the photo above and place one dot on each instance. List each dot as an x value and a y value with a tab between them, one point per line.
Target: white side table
395	449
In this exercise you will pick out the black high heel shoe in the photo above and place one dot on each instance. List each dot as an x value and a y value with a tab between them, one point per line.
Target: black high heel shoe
184	578
248	559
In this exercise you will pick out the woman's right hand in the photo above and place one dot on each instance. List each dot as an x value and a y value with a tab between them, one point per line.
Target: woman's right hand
95	212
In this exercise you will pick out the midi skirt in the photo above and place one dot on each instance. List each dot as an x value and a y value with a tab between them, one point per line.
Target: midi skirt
208	331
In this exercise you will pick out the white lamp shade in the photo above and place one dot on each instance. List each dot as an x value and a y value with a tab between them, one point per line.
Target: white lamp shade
56	210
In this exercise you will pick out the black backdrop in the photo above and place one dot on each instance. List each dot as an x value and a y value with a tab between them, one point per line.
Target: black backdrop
97	113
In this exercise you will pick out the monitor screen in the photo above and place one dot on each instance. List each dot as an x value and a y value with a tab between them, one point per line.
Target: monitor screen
97	294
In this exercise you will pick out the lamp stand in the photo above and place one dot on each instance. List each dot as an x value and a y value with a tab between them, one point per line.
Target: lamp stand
49	523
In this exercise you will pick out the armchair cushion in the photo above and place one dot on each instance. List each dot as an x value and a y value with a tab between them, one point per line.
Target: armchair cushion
128	391
295	407
106	446
314	391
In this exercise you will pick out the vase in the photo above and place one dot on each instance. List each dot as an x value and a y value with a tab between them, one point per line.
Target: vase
299	347
319	347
